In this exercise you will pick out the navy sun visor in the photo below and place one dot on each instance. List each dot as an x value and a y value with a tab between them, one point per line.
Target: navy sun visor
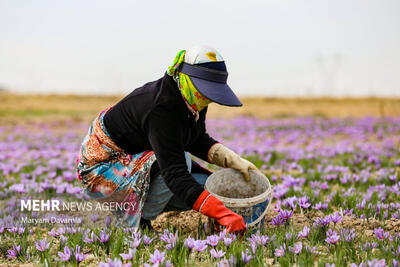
211	83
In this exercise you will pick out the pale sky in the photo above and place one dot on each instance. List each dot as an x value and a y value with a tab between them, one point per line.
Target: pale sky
271	47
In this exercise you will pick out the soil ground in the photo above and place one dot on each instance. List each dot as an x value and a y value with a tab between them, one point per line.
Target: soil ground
15	107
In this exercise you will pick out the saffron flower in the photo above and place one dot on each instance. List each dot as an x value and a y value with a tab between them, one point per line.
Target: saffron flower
135	243
264	240
147	240
212	240
304	233
332	238
246	257
12	253
380	234
157	257
189	242
66	255
217	253
53	233
200	245
114	263
78	255
280	252
104	237
90	240
296	249
42	245
285	214
228	241
131	253
303	203
336	217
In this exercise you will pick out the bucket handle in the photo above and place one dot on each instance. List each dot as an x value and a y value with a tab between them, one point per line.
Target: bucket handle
262	215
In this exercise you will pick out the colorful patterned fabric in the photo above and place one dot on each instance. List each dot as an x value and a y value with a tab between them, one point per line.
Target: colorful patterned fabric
110	175
193	98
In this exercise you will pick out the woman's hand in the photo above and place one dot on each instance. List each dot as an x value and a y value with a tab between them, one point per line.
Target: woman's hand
212	207
224	157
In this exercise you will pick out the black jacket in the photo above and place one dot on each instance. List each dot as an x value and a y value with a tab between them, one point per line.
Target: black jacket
155	117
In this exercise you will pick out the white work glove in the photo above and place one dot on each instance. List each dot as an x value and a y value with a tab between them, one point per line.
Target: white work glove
224	157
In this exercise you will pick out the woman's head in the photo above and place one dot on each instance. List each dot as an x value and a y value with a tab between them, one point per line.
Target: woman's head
201	75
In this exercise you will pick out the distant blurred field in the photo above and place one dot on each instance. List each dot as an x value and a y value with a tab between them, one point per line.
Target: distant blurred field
15	107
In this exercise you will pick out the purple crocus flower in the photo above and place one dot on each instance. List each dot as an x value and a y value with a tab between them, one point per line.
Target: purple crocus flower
223	263
135	243
94	217
217	253
264	240
246	257
280	252
285	214
147	240
377	263
200	245
157	257
12	253
332	238
212	240
304	232
90	240
347	234
104	237
66	255
63	239
42	245
107	221
189	242
131	253
114	263
380	234
278	220
228	241
17	248
296	249
78	255
303	203
336	217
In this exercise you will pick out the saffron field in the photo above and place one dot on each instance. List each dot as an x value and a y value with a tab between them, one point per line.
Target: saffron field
336	184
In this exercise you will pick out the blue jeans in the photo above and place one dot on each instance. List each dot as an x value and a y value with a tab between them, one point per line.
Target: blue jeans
160	198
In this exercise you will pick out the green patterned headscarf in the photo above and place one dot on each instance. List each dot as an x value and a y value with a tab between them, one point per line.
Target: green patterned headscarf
193	97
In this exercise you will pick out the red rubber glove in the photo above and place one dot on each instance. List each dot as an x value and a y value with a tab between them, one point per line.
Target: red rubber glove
212	207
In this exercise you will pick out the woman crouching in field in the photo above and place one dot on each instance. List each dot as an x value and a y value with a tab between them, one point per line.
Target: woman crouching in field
137	151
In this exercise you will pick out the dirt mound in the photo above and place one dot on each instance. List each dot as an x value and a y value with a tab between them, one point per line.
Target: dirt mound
186	221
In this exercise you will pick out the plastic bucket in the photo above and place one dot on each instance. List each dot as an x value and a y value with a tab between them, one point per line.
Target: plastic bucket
249	199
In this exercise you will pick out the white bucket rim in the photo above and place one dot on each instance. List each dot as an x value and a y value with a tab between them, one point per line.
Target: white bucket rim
238	202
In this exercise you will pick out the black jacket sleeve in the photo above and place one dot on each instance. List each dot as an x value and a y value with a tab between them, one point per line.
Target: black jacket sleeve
165	139
202	144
